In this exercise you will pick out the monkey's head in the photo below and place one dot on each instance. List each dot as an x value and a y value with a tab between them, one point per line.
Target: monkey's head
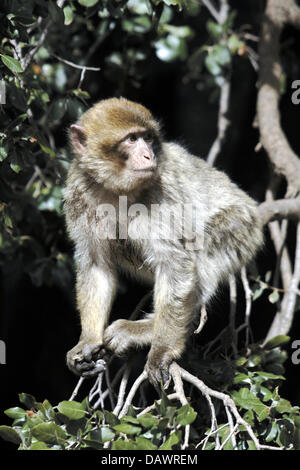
117	142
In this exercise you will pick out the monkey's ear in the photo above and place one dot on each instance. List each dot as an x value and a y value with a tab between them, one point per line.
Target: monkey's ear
78	138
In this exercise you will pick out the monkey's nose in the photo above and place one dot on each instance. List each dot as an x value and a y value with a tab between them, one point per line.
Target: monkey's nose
147	157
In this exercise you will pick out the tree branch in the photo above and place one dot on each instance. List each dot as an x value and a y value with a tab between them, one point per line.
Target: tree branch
284	159
279	209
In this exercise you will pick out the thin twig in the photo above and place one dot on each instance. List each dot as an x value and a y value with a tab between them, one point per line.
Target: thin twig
132	393
76	389
76	66
122	390
203	319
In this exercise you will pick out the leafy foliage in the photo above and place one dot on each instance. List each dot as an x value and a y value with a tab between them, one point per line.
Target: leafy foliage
73	425
253	383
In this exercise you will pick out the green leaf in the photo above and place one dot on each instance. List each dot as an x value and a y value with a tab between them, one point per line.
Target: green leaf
234	44
15	413
212	65
268	276
3	152
215	29
179	31
88	3
171	441
269	376
284	406
171	48
177	3
120	444
185	415
58	109
249	401
130	419
148	421
127	428
15	167
10	434
110	418
11	63
139	25
221	54
28	400
68	12
241	361
241	378
274	297
277	341
272	432
144	444
102	434
258	292
39	446
224	433
251	445
71	409
50	433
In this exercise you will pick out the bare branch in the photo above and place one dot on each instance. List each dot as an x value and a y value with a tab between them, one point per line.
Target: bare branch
281	155
203	320
212	10
223	122
279	209
132	393
122	390
76	389
75	66
283	319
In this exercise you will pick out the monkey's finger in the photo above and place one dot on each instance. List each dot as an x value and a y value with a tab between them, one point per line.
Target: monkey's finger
99	353
99	367
83	366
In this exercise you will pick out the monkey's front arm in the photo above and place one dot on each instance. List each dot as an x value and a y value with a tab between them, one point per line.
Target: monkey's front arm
96	286
175	299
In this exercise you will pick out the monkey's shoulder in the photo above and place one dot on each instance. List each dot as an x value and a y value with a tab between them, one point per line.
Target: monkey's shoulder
190	178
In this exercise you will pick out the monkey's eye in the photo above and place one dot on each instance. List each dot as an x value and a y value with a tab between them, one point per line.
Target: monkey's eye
148	137
132	138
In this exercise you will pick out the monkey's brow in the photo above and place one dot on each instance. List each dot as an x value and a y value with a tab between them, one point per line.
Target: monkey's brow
135	130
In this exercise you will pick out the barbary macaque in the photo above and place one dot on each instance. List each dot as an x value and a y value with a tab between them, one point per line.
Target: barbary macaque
138	205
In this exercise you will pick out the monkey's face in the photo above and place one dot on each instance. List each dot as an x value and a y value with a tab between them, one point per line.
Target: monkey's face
137	155
118	143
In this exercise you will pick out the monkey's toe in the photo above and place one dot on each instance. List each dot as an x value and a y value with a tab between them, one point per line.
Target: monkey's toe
86	359
158	376
98	367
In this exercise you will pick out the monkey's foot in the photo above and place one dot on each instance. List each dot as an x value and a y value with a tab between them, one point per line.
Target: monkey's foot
157	367
86	359
118	338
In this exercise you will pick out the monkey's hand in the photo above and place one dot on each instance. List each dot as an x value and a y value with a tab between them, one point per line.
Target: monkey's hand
86	358
157	367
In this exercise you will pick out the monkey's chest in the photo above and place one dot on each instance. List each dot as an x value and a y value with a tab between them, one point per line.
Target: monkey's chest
129	259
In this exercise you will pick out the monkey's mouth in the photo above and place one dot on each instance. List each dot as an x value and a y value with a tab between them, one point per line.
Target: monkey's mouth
147	171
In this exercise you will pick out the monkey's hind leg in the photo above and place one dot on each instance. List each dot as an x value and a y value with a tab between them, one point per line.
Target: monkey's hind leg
123	335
